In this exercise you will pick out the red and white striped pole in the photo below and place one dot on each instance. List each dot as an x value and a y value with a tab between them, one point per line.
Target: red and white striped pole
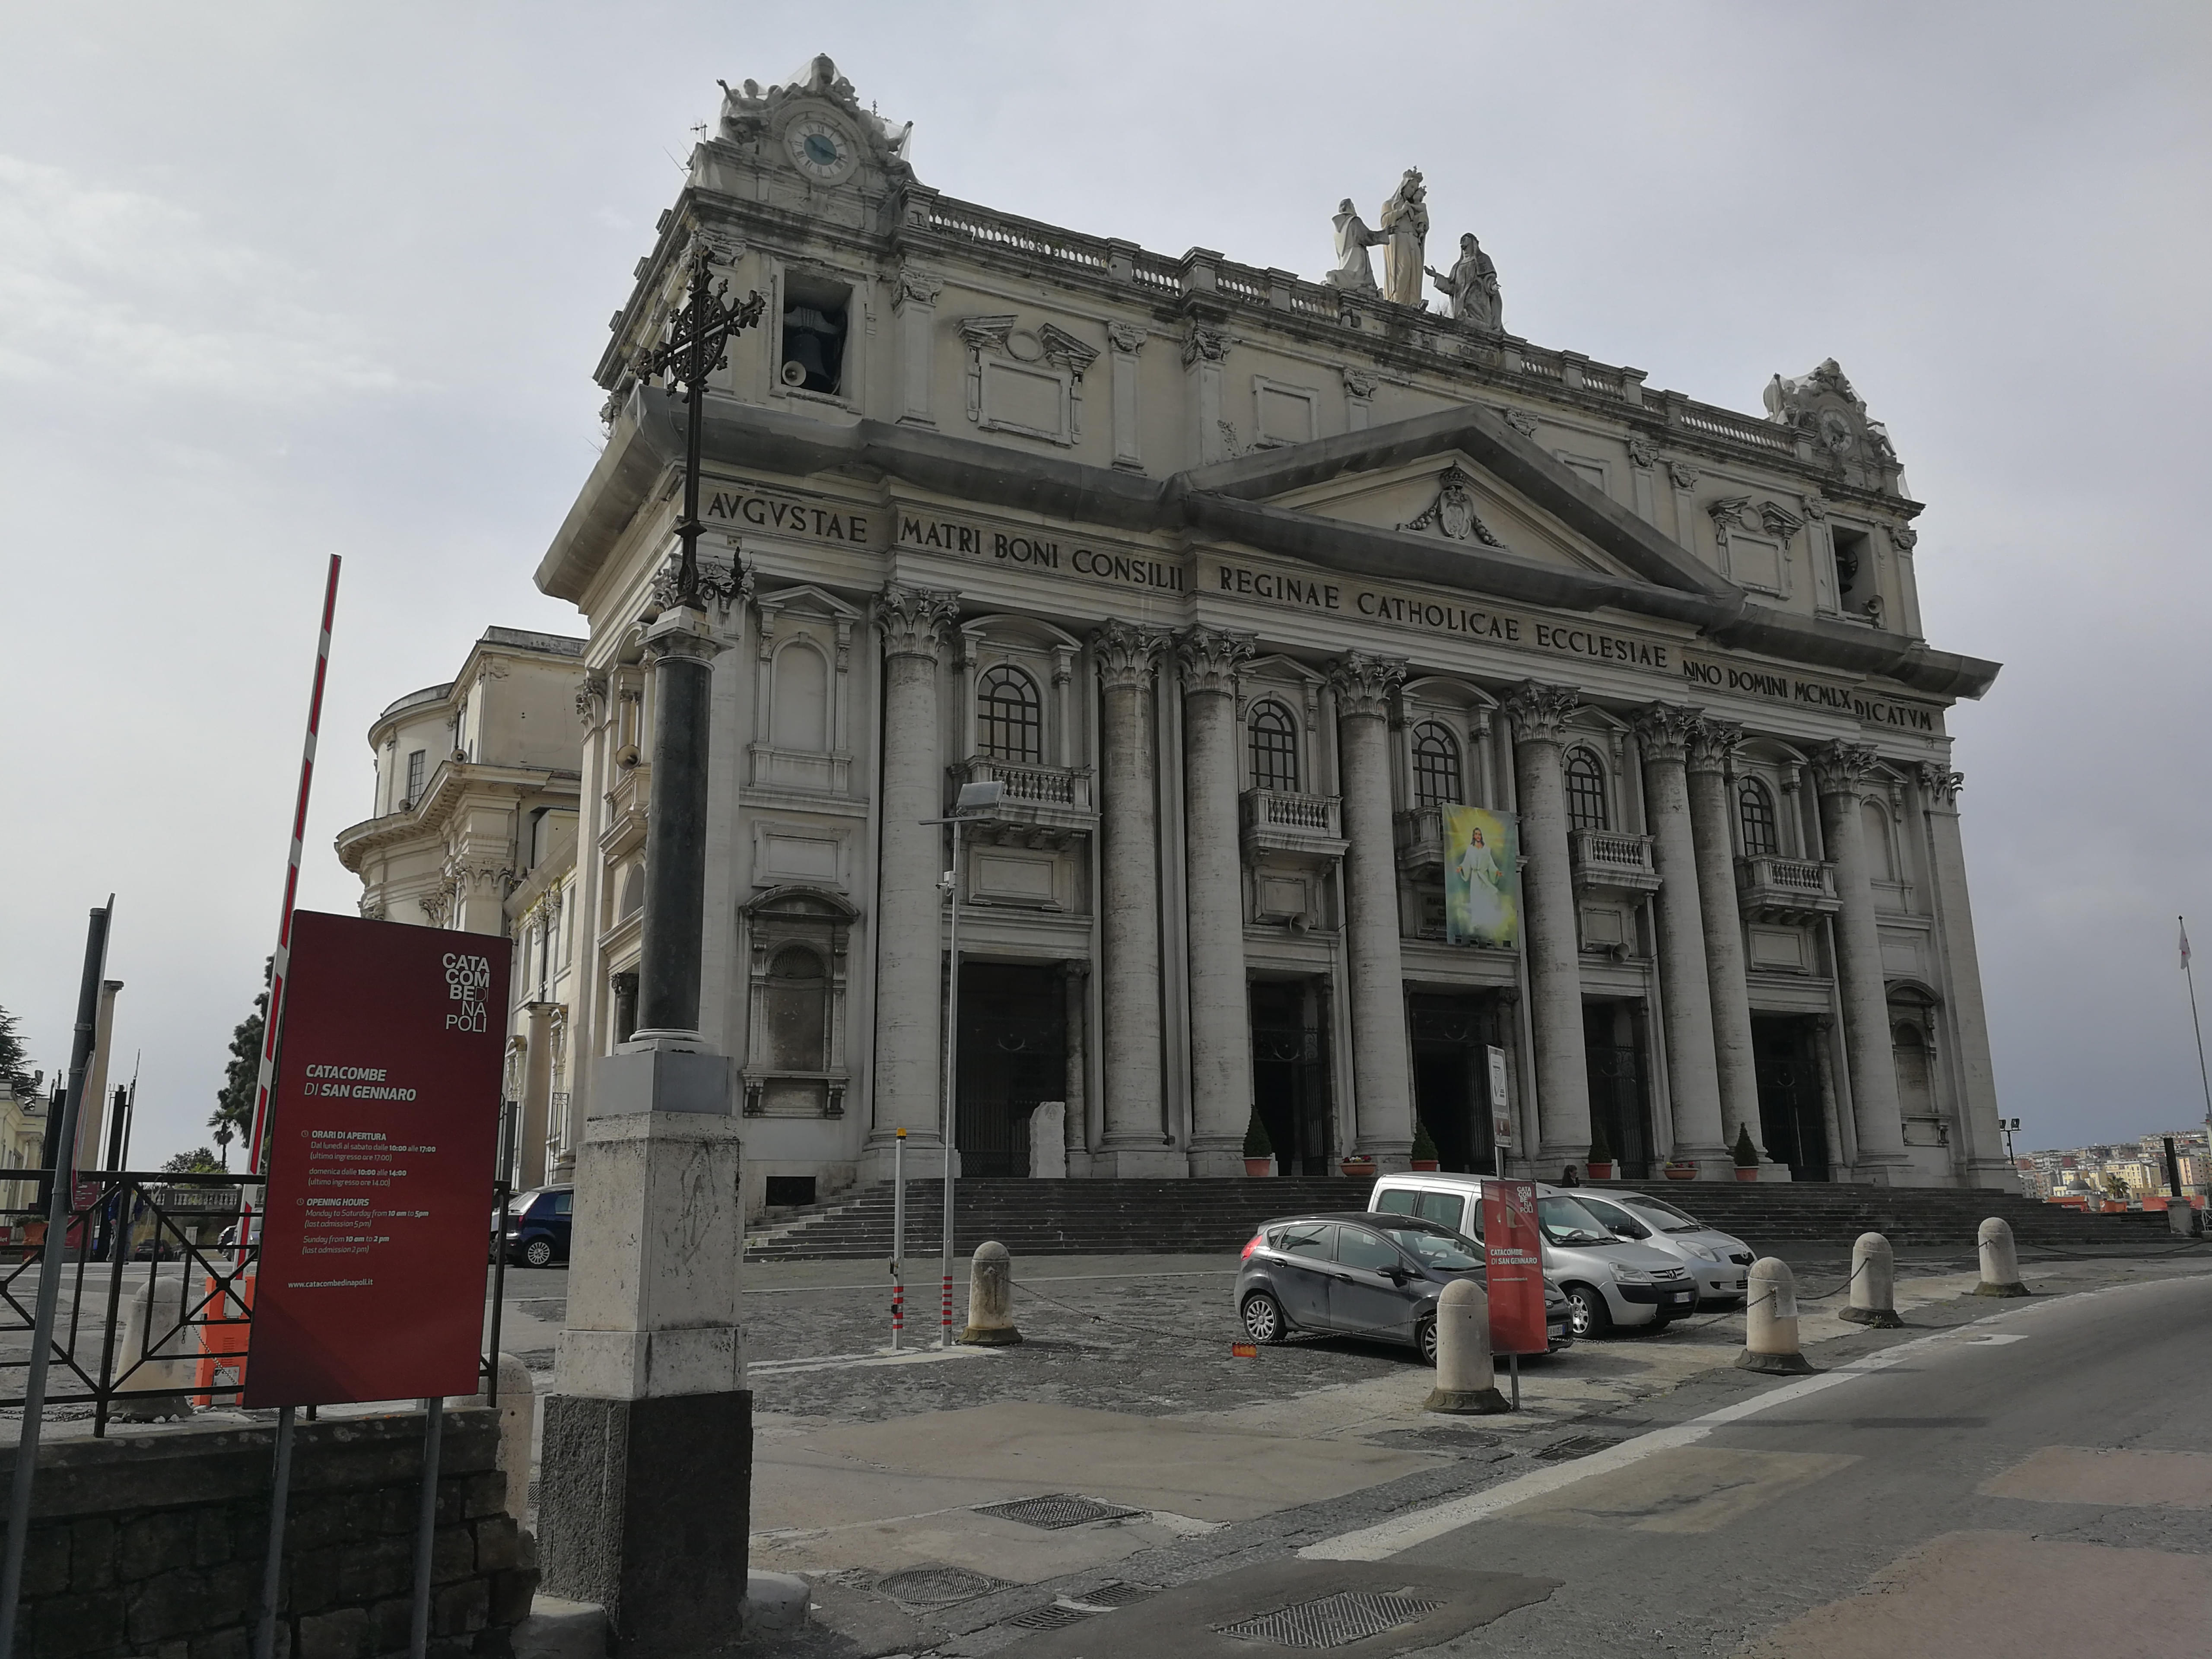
280	964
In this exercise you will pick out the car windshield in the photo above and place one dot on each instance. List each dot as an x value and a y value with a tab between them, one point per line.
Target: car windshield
1663	1215
1566	1221
1446	1251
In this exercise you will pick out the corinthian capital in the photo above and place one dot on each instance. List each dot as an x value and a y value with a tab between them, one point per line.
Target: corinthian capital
1211	657
1663	730
914	619
1539	712
1713	744
1941	784
1362	683
1126	655
1840	768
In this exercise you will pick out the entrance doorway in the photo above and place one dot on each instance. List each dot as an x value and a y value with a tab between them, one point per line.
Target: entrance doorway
1620	1105
1013	1057
1451	1076
1289	1072
1790	1121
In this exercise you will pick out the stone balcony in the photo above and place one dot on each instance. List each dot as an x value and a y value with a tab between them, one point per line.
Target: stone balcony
1606	860
627	804
1421	838
1276	822
1047	798
1771	888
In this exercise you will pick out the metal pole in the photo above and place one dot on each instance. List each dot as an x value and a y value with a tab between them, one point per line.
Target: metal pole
272	1562
502	1191
59	1186
2204	1076
951	1080
426	1525
1513	1365
898	1238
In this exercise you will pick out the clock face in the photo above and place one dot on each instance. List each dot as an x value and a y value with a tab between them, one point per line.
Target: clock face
820	148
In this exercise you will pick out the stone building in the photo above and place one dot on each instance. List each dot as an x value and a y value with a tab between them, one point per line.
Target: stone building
1237	581
475	828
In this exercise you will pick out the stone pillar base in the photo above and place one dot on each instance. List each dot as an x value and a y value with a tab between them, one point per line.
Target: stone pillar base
1466	1403
1217	1162
1994	1175
643	1507
1771	1172
1142	1164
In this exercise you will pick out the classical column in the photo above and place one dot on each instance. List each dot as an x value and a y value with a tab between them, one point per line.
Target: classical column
1839	770
1075	988
1712	746
1539	713
1134	1143
1662	732
910	906
1986	1164
1381	1071
1220	1023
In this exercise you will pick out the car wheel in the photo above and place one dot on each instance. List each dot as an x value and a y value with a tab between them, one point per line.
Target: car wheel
1424	1338
1263	1318
1588	1315
538	1253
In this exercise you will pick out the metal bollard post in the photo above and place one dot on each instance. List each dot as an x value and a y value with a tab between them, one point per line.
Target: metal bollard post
991	1298
898	1239
1874	1284
1467	1381
1770	1321
2000	1260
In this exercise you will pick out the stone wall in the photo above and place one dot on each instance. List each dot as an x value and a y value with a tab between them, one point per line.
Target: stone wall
151	1544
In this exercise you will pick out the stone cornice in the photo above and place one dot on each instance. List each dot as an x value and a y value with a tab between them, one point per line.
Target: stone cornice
453	784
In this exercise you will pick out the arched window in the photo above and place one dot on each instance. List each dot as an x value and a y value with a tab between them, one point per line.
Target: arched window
797	1011
1274	749
1010	717
1436	766
633	894
1585	777
1755	808
798	700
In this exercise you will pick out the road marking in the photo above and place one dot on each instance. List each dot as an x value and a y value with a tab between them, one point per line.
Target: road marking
1400	1533
1995	1339
831	1362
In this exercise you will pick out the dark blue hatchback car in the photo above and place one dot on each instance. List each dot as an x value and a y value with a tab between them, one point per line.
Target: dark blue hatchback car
538	1226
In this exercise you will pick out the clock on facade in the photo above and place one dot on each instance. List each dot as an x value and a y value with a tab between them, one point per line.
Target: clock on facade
820	148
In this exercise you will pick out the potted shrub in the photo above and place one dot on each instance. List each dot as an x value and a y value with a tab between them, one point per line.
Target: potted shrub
1745	1154
1601	1152
1259	1150
1424	1149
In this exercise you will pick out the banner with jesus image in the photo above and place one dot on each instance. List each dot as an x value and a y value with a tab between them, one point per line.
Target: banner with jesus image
1482	904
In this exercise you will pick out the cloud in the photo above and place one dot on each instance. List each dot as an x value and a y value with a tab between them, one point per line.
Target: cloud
103	283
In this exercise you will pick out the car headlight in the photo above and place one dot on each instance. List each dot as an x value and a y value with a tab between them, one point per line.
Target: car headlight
1630	1276
1702	1252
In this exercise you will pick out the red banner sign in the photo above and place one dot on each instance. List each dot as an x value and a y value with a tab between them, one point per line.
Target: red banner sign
1514	1251
381	1148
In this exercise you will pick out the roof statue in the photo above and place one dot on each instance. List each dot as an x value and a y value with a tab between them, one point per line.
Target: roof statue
1353	239
1405	226
1823	405
1472	284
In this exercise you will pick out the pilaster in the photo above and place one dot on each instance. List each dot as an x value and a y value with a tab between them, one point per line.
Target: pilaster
1538	715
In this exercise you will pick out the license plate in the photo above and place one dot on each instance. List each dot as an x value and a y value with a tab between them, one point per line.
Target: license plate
1742	1285
1680	1296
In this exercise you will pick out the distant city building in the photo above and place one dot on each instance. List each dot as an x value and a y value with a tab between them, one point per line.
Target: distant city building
2133	1169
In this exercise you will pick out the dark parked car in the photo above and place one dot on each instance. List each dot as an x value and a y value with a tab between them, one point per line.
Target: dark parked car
1363	1275
538	1225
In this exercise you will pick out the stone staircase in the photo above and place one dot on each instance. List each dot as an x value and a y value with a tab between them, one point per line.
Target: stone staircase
1167	1217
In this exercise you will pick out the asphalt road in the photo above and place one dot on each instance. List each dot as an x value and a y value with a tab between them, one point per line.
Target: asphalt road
2036	1483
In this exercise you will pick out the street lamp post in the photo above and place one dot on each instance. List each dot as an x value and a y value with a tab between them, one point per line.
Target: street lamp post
975	800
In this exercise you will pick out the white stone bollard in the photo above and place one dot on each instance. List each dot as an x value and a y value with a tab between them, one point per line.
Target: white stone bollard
1466	1382
991	1298
1770	1321
170	1365
2182	1218
1874	1284
1048	1141
1999	1260
518	1422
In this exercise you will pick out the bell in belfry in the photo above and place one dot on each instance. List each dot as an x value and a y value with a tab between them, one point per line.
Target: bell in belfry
812	348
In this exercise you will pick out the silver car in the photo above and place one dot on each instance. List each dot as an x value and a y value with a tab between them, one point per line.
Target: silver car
1717	1260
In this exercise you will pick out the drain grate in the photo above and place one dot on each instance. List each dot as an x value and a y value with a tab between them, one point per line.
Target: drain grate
1116	1594
1060	1509
936	1587
1579	1445
1332	1621
1058	1616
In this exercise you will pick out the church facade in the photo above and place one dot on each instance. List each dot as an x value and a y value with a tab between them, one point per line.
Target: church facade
1246	588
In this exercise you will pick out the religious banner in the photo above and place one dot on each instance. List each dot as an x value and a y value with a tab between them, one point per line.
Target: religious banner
383	1132
1481	855
1513	1273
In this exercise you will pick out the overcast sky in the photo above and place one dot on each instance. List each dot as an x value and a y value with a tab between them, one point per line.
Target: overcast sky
278	281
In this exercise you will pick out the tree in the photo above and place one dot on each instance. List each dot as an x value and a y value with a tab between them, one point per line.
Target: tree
12	1069
233	1119
199	1161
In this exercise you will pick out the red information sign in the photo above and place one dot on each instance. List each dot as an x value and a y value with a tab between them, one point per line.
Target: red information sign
1515	1276
381	1149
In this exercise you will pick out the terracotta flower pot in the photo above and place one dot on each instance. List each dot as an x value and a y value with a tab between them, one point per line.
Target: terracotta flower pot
1260	1166
1357	1167
1681	1172
1600	1169
1426	1163
1746	1172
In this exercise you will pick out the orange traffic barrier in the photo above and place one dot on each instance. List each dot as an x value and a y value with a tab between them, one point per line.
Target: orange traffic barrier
223	1336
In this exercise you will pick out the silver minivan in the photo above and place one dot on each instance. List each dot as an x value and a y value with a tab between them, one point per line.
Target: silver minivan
1719	1261
1609	1280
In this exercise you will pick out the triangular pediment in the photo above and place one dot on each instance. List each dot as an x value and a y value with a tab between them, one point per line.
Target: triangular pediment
1461	506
